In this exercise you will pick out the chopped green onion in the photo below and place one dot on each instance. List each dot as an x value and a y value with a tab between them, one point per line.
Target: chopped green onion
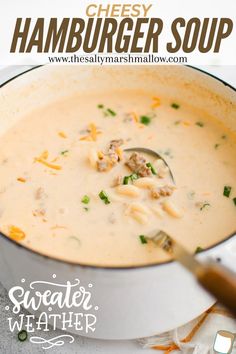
22	335
74	238
145	120
143	239
126	180
86	209
152	168
199	249
64	152
223	136
106	111
103	196
131	178
175	105
216	146
85	199
205	205
227	191
177	122
200	124
234	201
111	112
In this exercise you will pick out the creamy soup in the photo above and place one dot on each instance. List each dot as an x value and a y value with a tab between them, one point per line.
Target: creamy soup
69	190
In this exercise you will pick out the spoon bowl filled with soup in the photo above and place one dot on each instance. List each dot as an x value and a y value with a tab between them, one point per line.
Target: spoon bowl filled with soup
77	201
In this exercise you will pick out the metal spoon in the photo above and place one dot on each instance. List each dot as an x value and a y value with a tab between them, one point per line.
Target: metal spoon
217	280
153	154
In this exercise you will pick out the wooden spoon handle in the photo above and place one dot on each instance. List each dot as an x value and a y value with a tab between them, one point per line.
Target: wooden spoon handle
221	283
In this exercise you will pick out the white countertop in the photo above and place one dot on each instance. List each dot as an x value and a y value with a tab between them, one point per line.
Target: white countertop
9	343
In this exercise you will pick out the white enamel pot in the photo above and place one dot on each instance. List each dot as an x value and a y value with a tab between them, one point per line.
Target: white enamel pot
133	302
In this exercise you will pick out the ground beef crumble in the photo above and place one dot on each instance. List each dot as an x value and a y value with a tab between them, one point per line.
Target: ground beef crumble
164	191
111	157
137	164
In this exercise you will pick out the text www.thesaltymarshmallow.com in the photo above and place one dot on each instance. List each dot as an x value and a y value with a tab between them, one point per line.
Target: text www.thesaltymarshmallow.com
117	59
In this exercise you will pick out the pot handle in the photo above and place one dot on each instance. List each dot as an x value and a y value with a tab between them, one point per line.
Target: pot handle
220	282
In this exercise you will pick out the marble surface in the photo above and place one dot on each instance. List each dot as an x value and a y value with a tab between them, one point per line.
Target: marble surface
9	343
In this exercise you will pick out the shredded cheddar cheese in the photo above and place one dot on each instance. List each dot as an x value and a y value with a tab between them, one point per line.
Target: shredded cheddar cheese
16	234
62	135
86	138
93	133
43	160
119	152
136	120
21	179
44	155
48	164
134	116
100	154
186	123
156	102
